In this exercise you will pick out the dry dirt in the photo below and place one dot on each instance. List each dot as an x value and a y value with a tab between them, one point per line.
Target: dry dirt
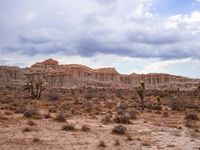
151	130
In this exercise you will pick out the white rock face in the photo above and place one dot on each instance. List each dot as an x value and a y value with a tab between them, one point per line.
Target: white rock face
72	76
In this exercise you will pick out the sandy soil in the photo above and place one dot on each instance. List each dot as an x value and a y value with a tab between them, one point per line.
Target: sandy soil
149	131
152	129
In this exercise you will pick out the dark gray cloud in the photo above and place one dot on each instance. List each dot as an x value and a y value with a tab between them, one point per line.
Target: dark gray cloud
124	28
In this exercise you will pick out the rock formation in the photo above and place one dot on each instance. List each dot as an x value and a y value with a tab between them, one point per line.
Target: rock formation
73	76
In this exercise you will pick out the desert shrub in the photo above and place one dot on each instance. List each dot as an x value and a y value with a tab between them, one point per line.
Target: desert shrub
132	113
165	114
53	96
20	110
157	107
121	106
35	140
117	143
129	137
191	116
85	128
46	116
176	106
146	143
7	100
69	127
32	113
119	129
60	117
106	119
101	144
26	129
52	110
31	123
124	118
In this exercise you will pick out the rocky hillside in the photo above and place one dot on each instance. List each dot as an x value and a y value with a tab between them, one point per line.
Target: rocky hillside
73	75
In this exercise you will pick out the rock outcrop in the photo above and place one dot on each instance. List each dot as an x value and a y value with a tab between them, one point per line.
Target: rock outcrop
73	75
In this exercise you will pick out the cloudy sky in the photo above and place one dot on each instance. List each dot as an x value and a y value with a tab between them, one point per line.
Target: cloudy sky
139	36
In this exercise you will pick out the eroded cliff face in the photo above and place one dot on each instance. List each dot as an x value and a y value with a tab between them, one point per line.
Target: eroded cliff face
72	76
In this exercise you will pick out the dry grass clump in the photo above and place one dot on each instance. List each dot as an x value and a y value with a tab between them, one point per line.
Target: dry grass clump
60	117
191	116
69	127
107	119
36	140
53	96
117	143
85	128
102	144
32	113
31	123
27	129
119	129
129	137
123	118
146	143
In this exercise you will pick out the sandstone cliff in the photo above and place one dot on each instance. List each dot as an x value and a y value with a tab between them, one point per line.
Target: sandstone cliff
73	75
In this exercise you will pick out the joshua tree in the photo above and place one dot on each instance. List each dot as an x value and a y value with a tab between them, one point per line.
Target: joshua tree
35	87
140	90
198	91
158	101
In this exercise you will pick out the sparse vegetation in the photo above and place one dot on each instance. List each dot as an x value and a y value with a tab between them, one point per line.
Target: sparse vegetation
69	127
191	116
124	118
85	128
117	143
102	144
60	117
32	113
34	86
119	129
140	90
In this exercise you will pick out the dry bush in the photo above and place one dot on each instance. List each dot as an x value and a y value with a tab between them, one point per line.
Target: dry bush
107	119
121	106
101	144
31	123
27	129
146	143
52	109
69	127
46	116
20	110
85	128
129	137
53	96
191	116
117	143
32	113
124	118
119	129
36	140
60	117
165	114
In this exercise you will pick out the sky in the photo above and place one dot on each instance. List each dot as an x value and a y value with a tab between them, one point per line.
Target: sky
134	36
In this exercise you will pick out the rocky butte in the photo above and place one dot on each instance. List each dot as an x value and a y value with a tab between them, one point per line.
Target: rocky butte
75	76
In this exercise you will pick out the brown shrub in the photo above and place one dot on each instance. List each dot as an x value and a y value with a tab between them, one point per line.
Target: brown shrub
119	129
191	116
60	117
32	113
69	127
85	128
124	118
101	144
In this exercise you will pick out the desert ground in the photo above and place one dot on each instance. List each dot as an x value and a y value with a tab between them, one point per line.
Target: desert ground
89	118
